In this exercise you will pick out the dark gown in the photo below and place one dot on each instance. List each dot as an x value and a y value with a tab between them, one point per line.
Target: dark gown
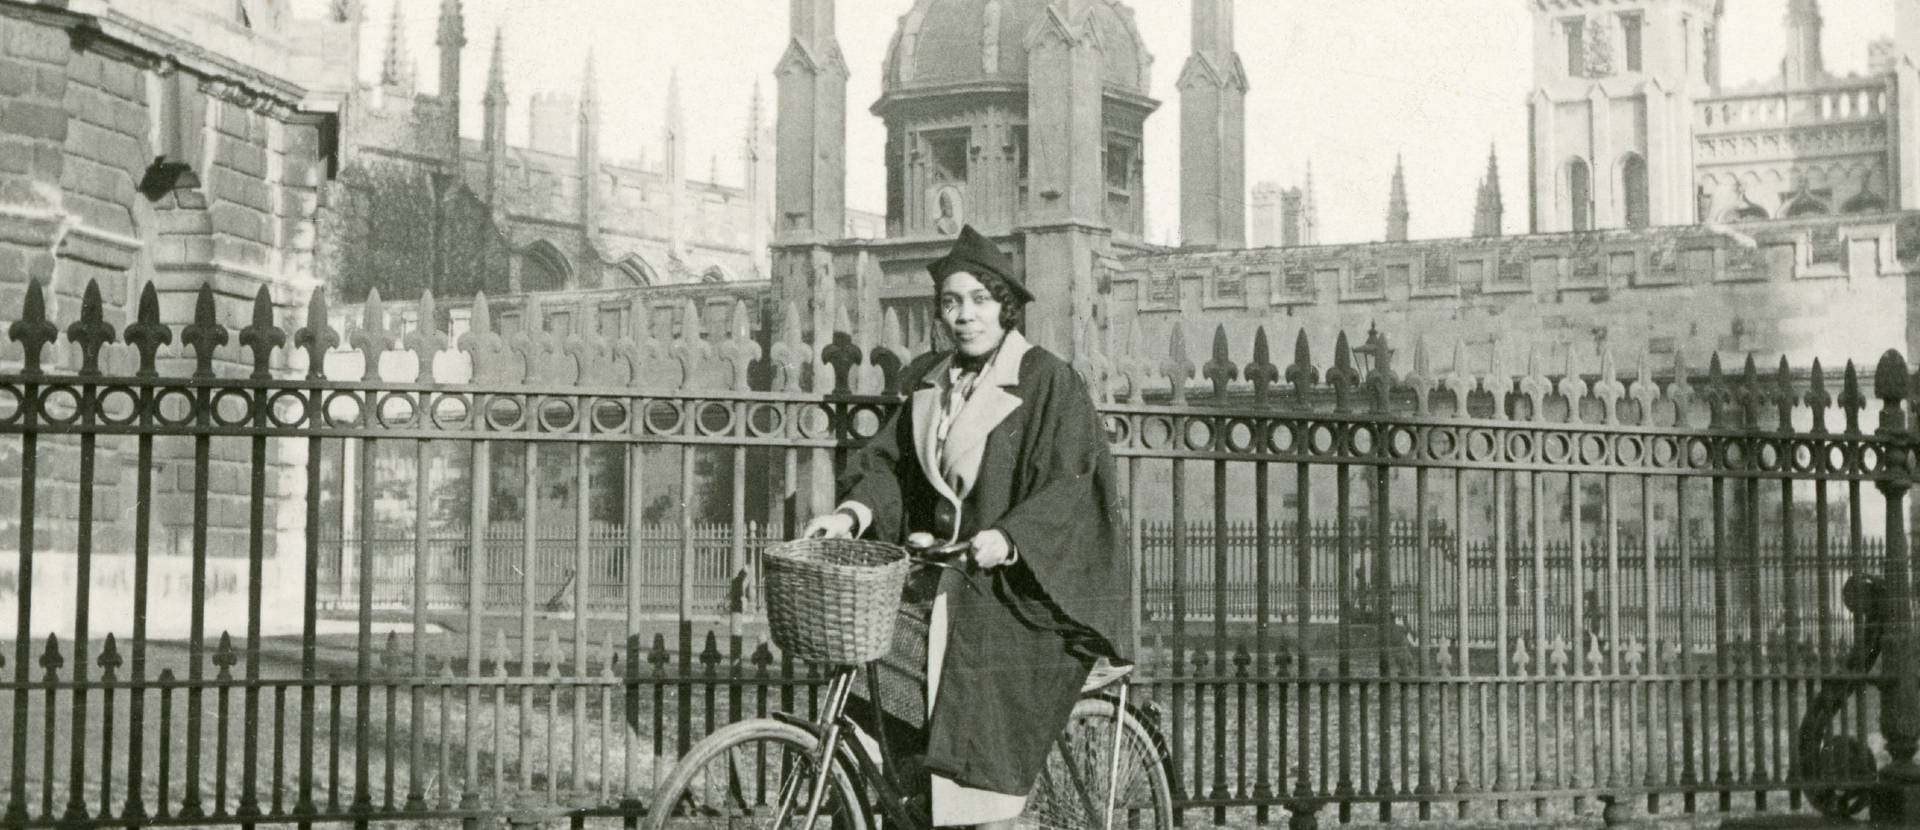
1022	638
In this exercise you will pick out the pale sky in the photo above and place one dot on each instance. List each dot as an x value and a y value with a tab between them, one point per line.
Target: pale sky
1345	84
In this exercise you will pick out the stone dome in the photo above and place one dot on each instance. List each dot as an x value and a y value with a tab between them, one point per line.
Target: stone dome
950	42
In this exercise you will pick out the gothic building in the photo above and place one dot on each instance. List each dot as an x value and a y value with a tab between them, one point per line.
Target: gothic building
1632	126
582	230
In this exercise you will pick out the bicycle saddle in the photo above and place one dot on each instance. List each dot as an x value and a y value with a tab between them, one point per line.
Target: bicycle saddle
1104	674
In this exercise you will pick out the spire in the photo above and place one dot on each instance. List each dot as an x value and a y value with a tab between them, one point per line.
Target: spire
1803	63
676	166
1213	129
1487	210
589	152
453	25
810	192
1397	214
757	221
496	69
396	69
452	41
493	137
1309	212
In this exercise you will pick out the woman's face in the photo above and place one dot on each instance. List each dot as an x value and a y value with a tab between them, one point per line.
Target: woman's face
971	314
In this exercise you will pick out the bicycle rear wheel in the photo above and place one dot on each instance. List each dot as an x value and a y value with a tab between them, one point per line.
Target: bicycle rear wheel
737	776
1072	790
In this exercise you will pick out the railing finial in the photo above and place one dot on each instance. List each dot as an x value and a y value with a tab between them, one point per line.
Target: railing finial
91	332
317	337
261	336
1260	371
205	334
33	331
1891	382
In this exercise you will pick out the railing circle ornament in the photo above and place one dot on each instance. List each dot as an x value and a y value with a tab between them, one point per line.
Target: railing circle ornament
1239	435
1442	444
1482	446
1401	442
765	420
1520	447
1156	433
1199	434
60	405
864	421
1595	449
1629	449
664	417
1733	455
1360	440
452	411
396	410
1870	459
175	407
1699	453
1320	441
715	418
1837	458
558	415
118	406
1557	448
1803	457
1281	437
1769	456
9	404
232	408
814	421
1119	430
505	413
611	416
287	409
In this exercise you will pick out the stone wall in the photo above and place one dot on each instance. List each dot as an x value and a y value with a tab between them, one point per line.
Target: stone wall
1832	288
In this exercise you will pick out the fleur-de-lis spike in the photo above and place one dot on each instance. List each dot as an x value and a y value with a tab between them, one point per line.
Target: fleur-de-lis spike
371	338
1644	390
1891	382
261	335
1719	392
1852	401
426	339
890	353
91	332
742	350
1221	368
1818	399
1609	390
1535	385
842	354
1260	371
1750	393
148	334
1302	374
1572	387
1419	375
317	337
1784	397
33	331
205	334
1342	377
1178	368
1460	381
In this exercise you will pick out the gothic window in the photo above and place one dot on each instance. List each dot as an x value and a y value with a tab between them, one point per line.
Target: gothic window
1630	25
1022	163
1633	191
1804	204
543	268
1579	195
1575	30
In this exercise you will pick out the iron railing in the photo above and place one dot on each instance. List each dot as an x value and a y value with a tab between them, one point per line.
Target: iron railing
1717	675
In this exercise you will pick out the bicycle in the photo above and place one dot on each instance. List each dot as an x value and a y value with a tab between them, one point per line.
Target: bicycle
770	772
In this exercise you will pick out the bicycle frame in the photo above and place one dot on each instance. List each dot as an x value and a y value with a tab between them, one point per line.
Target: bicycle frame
832	726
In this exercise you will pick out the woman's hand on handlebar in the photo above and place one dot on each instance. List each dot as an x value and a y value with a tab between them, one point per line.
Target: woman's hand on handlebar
836	525
991	549
987	549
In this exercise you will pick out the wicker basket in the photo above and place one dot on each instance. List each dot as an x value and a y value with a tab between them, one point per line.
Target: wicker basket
833	601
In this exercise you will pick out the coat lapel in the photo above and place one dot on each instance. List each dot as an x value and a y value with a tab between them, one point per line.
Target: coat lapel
990	404
926	409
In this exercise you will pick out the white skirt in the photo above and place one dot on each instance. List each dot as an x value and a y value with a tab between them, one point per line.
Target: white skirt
954	804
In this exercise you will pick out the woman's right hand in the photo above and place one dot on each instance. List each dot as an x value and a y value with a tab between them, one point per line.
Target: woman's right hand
835	525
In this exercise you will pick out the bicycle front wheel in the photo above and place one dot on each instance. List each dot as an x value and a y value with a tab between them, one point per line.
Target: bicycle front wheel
739	777
1073	792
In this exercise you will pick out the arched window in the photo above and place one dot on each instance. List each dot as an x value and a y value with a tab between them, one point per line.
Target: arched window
1579	179
1804	204
543	268
635	270
1633	191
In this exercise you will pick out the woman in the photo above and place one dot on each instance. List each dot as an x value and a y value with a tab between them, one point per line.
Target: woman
1000	445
